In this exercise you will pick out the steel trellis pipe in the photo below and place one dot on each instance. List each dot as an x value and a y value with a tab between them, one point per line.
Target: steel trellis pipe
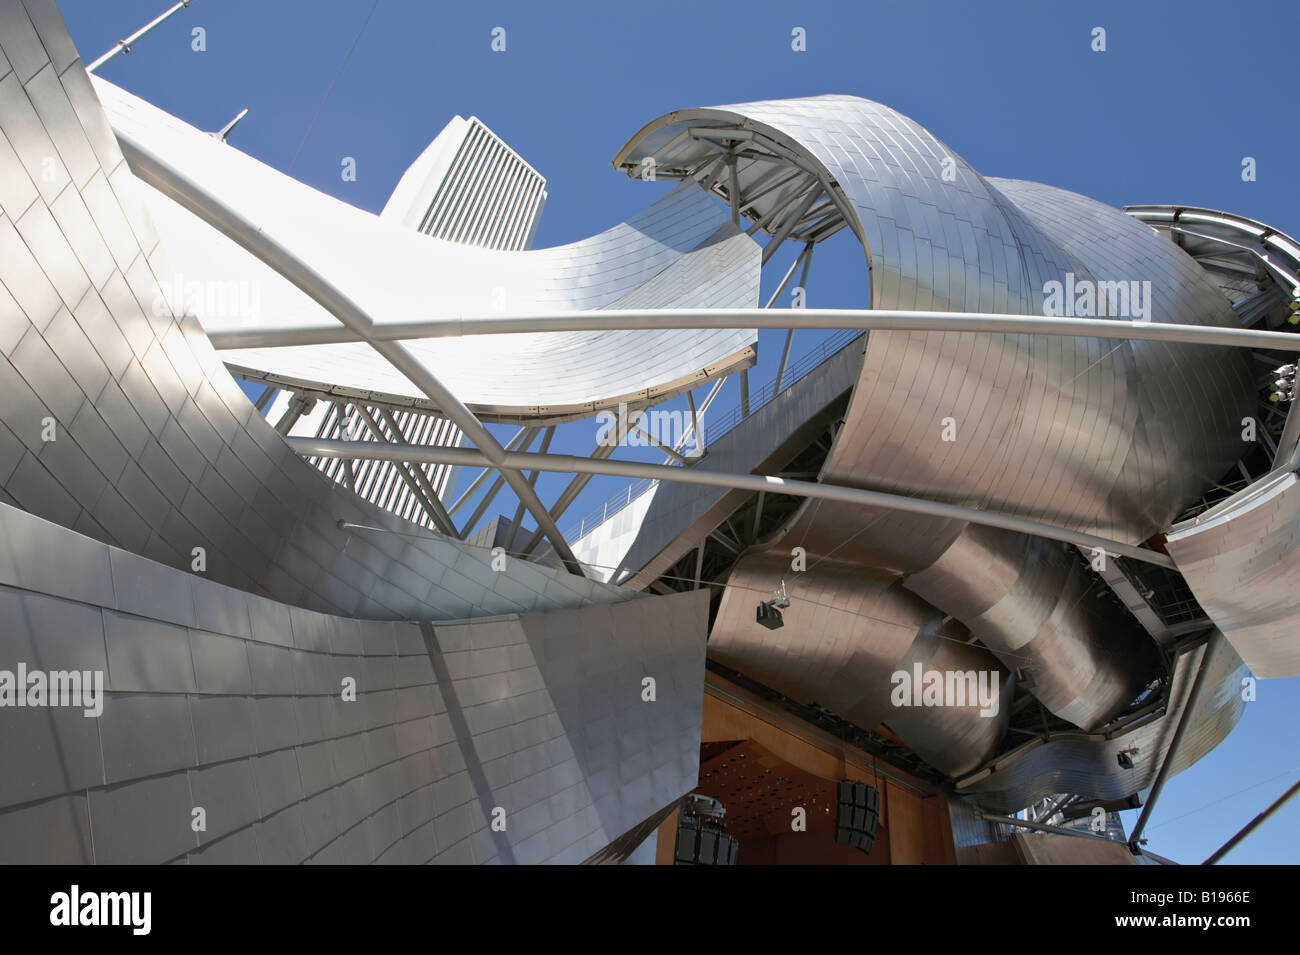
1254	824
746	482
869	319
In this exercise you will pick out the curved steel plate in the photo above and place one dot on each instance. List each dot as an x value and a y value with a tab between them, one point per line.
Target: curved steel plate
1242	561
680	252
1111	438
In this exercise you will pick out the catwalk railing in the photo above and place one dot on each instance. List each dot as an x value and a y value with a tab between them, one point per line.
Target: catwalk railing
807	362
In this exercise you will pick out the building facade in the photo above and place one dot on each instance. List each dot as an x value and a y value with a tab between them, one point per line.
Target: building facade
974	567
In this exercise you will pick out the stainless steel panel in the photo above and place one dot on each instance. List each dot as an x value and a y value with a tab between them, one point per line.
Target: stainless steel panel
23	48
53	832
24	278
16	189
681	251
1026	599
1112	440
297	773
1242	561
138	823
22	126
144	734
229	796
144	653
51	103
1088	767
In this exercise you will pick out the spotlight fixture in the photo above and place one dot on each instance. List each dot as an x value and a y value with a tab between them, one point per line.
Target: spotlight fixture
1125	757
1283	384
769	611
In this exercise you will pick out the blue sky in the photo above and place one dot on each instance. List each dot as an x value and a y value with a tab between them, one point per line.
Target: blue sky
1182	93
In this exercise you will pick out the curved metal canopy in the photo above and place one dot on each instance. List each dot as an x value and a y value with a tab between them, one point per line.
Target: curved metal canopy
1108	437
680	252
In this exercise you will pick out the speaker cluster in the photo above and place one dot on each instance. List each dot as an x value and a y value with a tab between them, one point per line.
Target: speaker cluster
857	814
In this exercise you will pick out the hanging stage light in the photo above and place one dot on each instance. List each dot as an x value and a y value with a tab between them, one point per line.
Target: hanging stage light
769	611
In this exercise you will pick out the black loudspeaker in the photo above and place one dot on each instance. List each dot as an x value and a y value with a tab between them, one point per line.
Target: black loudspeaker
857	814
698	845
769	616
702	836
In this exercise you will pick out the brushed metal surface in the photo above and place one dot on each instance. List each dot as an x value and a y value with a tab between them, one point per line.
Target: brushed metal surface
1029	601
159	451
220	699
1242	561
156	449
682	251
1088	766
848	631
1114	438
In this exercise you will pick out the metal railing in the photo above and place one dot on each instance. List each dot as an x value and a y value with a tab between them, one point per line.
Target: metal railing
807	362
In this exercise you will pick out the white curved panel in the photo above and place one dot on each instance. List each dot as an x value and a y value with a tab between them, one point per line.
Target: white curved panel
680	252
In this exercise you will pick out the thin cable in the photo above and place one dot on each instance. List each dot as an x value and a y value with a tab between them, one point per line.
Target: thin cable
330	91
1239	792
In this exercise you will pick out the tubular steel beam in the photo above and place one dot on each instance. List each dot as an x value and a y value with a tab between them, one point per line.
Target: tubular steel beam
806	258
124	46
298	406
746	482
492	490
780	205
518	519
512	445
787	226
427	496
655	443
695	428
786	280
1184	720
403	469
1055	806
733	189
825	318
1254	824
566	497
